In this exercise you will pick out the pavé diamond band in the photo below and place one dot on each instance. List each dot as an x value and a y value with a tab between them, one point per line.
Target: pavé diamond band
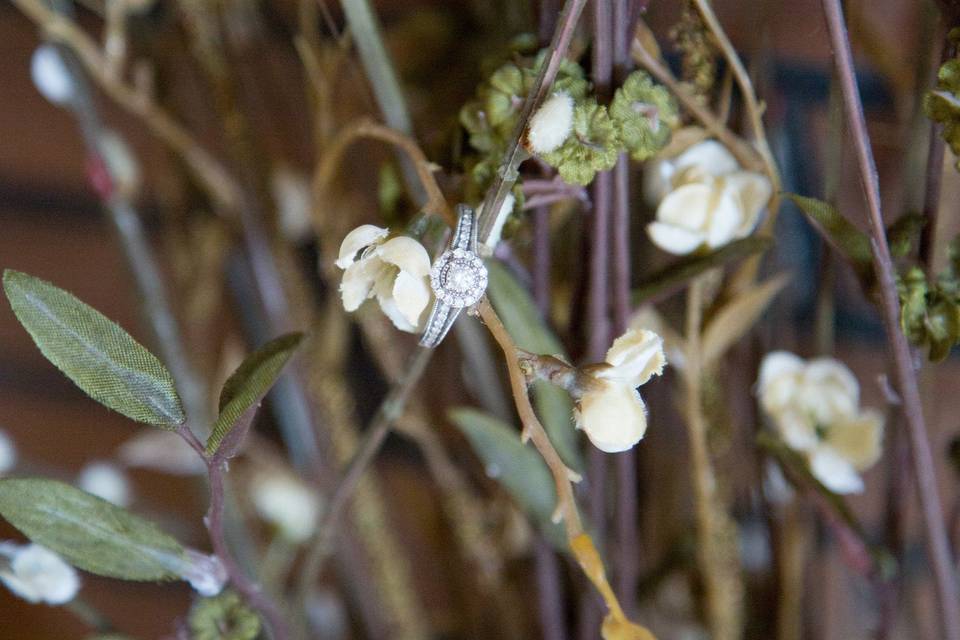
458	278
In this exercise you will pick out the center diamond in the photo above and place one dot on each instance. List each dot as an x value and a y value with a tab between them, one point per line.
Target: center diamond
458	278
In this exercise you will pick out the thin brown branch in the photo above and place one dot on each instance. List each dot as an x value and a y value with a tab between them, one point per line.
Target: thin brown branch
923	461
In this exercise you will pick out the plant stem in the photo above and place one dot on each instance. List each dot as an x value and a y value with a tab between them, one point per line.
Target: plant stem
387	413
716	532
250	590
933	179
923	461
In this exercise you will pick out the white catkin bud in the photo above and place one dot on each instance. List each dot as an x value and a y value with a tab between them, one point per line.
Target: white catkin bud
105	480
8	453
551	125
37	574
51	75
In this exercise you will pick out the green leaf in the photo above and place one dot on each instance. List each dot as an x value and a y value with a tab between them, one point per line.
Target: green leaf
838	231
530	332
94	352
684	270
519	468
903	234
249	383
90	533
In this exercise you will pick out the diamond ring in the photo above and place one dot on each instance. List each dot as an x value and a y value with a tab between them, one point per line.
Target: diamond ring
458	278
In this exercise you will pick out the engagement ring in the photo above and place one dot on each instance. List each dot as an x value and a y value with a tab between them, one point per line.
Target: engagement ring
458	278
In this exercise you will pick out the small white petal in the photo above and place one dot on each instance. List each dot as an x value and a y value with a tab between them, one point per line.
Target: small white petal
687	206
725	217
390	309
752	191
107	481
359	279
8	453
613	417
673	239
775	365
551	125
412	295
797	429
287	503
635	357
37	574
51	75
357	240
407	254
858	439
709	157
834	471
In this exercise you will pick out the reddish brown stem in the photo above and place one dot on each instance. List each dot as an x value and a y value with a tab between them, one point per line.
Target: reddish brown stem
923	461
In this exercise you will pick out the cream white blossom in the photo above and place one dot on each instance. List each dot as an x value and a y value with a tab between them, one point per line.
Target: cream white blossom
610	409
395	271
551	125
815	407
287	503
37	574
703	199
105	480
8	453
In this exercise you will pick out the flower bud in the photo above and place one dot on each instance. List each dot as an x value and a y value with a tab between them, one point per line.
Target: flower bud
105	480
551	125
51	75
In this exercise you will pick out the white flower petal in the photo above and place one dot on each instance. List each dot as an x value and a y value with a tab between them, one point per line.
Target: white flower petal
725	217
412	296
613	417
673	239
752	191
797	430
37	574
708	156
551	125
635	357
358	281
105	480
834	471
358	239
407	254
390	309
51	75
858	439
687	206
778	364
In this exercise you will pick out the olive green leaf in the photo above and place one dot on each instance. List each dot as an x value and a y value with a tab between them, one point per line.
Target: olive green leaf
519	468
685	269
732	321
838	231
94	352
90	533
529	331
248	384
224	617
593	146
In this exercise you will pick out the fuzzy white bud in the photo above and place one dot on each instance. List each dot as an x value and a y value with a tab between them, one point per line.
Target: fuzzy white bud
285	502
37	574
8	453
51	75
551	125
105	480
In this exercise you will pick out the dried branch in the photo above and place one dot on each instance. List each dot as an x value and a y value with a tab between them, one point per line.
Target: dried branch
923	461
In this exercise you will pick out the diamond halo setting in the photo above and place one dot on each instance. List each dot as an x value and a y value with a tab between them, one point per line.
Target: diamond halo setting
458	278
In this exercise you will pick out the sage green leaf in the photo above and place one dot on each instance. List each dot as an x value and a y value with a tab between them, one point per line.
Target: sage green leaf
94	352
249	383
530	332
90	533
838	231
517	467
685	269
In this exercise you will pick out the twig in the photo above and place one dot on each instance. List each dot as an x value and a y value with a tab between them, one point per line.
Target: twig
932	180
716	549
387	413
580	542
209	172
507	172
923	461
249	589
365	128
745	154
